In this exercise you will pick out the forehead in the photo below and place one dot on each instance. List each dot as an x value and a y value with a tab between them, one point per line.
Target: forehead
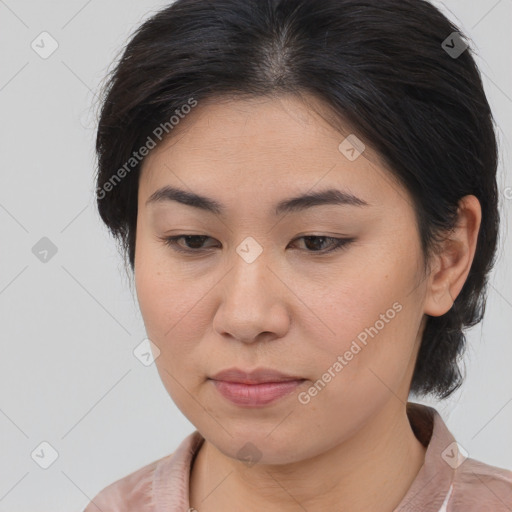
233	147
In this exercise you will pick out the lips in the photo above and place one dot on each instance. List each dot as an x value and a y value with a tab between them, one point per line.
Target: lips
257	376
256	395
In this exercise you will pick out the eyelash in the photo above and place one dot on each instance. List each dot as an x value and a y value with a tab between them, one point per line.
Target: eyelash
338	243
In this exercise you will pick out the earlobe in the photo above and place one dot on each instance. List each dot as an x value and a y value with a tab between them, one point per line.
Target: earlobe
453	263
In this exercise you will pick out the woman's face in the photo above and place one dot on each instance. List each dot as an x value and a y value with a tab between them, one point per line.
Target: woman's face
252	292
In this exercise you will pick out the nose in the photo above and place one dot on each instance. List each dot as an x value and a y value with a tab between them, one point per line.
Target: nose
253	301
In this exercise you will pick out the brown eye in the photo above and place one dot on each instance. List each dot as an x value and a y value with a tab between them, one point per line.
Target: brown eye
313	243
195	242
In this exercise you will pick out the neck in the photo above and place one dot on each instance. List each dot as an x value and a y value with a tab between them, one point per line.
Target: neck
372	470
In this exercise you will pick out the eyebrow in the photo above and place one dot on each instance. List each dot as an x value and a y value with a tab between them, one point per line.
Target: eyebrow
294	204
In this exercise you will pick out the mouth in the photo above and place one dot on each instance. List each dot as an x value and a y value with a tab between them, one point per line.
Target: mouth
255	395
254	388
256	376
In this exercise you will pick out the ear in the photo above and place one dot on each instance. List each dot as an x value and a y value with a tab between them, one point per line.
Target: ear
451	266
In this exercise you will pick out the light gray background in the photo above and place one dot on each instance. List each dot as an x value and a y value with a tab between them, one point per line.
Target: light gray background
70	325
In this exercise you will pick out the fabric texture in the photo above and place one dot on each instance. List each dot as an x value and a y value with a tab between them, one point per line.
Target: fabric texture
447	481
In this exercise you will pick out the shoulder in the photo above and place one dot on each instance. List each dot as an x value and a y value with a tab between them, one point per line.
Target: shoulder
133	492
476	484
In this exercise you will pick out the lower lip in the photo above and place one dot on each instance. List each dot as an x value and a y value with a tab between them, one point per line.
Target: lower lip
255	395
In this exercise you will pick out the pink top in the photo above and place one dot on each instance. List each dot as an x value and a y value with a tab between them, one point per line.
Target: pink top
447	482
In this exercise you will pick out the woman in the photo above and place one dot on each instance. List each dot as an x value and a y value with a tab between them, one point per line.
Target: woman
306	193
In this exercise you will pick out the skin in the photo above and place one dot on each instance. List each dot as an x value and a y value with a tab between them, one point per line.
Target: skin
291	309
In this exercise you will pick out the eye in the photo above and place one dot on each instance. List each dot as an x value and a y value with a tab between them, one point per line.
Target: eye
318	240
172	241
311	241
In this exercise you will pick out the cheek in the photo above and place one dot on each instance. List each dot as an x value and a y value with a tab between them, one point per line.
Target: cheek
372	321
161	299
172	317
172	307
168	309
